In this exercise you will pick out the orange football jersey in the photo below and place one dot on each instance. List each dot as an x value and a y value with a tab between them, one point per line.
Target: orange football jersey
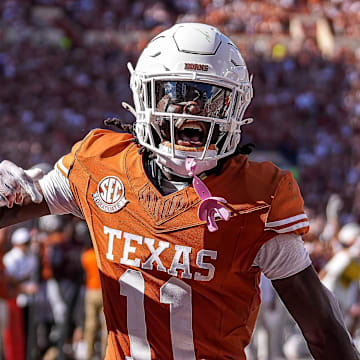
171	288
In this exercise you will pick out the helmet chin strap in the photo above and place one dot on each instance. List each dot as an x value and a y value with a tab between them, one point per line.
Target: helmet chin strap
177	166
167	166
210	205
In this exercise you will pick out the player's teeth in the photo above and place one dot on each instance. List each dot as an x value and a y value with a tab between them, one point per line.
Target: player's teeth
192	127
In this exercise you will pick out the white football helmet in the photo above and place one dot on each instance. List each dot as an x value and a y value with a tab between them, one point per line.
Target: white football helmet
191	88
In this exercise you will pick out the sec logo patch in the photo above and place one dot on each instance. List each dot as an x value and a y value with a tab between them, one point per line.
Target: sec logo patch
110	194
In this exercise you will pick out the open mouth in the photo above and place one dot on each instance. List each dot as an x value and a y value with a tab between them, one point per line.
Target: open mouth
190	133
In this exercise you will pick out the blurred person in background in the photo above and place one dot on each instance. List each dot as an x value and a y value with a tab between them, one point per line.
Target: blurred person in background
68	273
59	326
4	291
180	121
50	236
94	314
20	267
342	273
319	241
271	326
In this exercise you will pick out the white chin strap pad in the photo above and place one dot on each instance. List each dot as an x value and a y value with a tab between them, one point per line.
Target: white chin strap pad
177	165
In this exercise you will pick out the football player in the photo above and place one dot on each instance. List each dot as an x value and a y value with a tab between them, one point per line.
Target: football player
181	222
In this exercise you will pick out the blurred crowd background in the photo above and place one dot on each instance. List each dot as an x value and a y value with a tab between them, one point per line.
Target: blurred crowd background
63	71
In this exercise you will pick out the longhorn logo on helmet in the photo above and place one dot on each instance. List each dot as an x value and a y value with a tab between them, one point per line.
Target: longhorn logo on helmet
199	67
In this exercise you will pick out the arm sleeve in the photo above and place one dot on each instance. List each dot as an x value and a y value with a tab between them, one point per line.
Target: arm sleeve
57	194
282	256
286	214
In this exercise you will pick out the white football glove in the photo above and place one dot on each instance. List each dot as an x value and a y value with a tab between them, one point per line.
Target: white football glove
16	182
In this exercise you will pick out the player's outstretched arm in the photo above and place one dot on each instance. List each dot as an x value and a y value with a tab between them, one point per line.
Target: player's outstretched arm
20	196
20	213
315	310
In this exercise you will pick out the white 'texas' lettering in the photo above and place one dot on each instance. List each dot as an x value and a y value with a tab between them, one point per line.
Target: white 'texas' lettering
148	264
130	249
180	259
200	263
112	234
183	251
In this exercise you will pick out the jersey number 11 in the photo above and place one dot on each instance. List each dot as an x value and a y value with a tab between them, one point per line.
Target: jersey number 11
174	292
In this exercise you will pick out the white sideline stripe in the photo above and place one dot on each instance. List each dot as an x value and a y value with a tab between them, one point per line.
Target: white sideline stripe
291	228
62	166
286	221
